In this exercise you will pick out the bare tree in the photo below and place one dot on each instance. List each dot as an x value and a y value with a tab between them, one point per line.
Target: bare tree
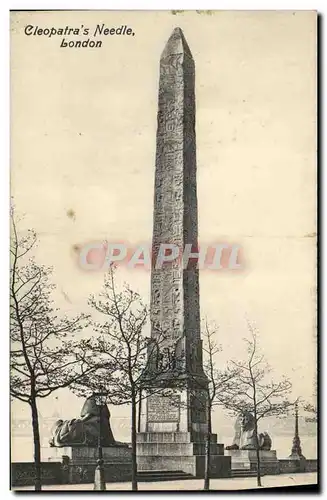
253	390
312	408
41	358
218	383
121	355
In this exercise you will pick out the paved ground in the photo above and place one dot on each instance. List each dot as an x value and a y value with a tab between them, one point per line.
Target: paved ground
197	484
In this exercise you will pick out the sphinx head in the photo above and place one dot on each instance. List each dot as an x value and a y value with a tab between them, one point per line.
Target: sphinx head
247	421
90	409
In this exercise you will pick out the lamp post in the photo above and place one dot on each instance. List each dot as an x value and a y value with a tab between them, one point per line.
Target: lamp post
99	479
296	452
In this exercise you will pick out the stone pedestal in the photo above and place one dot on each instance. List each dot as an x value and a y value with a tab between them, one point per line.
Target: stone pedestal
180	451
84	454
299	461
79	463
247	460
173	437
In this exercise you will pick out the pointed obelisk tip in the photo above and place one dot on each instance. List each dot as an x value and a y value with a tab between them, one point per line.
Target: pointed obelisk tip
178	32
176	45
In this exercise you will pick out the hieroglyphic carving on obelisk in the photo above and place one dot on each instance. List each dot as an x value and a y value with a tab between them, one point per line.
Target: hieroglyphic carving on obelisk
174	290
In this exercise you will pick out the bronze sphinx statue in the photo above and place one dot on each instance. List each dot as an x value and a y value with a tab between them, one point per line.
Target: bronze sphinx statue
84	431
244	438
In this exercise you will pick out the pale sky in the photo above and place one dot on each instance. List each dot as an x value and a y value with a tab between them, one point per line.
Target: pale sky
83	140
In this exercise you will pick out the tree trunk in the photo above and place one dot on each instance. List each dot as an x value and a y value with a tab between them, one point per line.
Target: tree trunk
257	450
134	462
207	453
37	446
139	412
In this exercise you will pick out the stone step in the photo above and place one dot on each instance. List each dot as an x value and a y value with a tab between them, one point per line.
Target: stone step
163	475
243	473
173	437
161	471
168	449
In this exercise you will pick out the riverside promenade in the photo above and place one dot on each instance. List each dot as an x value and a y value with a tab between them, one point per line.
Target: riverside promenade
309	478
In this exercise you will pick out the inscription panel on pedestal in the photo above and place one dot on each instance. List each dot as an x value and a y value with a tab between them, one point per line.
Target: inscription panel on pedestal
163	408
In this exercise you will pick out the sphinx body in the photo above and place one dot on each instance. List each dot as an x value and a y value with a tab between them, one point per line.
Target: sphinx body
84	431
266	441
244	438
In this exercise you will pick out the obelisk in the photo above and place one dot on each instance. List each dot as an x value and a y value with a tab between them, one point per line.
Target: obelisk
174	428
174	309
